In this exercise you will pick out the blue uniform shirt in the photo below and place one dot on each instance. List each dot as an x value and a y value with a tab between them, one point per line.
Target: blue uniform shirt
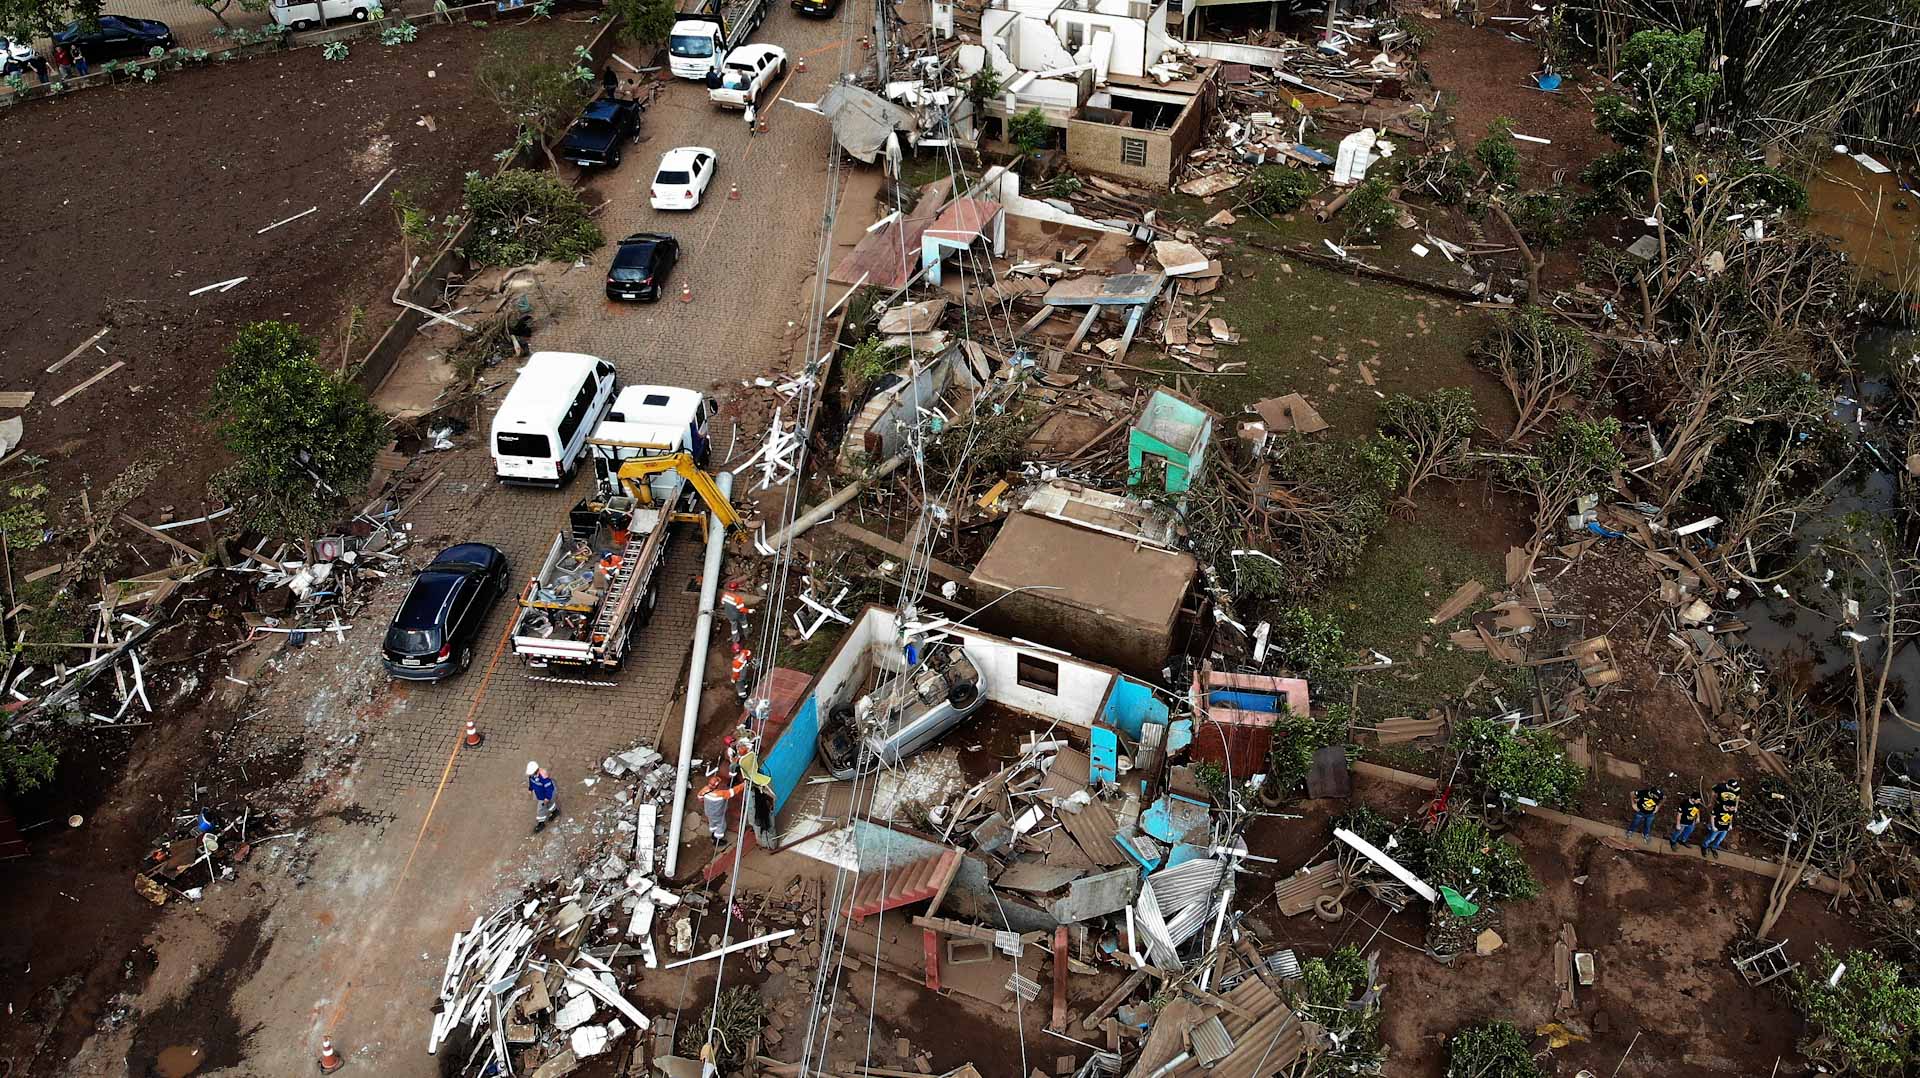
542	787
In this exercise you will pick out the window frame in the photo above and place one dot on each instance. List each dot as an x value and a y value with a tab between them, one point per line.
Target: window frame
1036	673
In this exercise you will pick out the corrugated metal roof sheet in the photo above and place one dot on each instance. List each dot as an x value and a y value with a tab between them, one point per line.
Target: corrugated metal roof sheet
1210	1042
1185	883
1093	829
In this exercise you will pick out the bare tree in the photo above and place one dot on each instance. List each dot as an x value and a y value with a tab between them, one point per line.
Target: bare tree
1436	432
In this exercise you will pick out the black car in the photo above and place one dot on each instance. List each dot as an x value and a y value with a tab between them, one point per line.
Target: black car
596	137
115	37
822	8
640	269
432	634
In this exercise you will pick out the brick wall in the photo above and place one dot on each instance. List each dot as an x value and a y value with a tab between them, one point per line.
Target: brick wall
1097	148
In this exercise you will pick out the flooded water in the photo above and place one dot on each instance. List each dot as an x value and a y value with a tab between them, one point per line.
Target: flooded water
1876	221
1805	646
177	1061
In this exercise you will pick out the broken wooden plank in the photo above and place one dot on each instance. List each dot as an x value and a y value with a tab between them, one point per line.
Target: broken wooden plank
163	537
71	393
81	347
1463	597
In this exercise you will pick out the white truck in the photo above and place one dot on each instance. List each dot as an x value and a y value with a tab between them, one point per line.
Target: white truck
600	578
748	74
708	30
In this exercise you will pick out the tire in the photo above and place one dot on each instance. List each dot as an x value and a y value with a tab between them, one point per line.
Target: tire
302	24
1328	908
1271	795
466	657
963	695
359	14
613	159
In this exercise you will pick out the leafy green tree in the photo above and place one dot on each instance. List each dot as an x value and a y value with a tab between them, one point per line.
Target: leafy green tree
539	90
1310	645
1494	1049
303	437
1370	210
26	766
1867	1022
983	86
1029	131
1528	762
1670	86
29	19
1295	739
644	22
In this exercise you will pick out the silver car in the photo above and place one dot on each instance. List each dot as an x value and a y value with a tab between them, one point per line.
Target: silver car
909	712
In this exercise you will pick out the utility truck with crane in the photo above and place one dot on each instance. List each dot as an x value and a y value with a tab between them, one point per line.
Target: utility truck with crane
708	30
600	578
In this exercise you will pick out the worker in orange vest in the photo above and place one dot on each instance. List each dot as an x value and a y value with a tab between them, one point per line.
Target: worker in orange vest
742	672
733	607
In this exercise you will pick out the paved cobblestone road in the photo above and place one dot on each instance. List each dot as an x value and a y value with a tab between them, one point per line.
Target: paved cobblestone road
357	951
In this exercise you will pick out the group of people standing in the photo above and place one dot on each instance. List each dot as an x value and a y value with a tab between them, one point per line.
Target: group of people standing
1718	816
68	58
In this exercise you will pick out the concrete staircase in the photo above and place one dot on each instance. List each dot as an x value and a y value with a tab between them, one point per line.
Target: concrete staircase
919	881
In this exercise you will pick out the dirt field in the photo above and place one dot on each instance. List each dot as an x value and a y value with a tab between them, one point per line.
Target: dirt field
1661	929
143	193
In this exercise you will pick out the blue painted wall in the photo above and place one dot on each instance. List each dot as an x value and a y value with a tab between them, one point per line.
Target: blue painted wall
787	762
1130	706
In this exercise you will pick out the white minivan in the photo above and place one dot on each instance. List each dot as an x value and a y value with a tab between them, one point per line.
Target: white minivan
540	432
300	14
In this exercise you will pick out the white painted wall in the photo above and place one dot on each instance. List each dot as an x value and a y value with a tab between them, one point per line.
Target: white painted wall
870	642
1002	184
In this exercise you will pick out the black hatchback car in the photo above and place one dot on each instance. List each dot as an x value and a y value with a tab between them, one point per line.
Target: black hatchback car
640	269
432	634
115	37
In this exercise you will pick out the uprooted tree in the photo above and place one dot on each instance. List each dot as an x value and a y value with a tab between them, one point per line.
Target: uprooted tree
1540	359
523	216
1576	458
303	439
1434	430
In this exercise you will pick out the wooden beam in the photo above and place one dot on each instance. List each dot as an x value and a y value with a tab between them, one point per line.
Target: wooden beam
83	346
1094	1017
176	544
71	393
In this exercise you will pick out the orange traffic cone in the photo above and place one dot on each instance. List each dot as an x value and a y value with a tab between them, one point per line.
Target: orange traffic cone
474	737
686	292
733	192
761	127
800	65
330	1060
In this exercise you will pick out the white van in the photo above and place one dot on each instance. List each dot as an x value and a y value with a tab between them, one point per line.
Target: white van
540	432
650	421
300	14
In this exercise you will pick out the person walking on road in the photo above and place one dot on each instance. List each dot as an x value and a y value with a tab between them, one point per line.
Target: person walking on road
545	804
1685	821
1717	830
1646	805
79	61
714	800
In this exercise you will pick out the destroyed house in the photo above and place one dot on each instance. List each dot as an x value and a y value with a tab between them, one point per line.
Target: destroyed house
1096	69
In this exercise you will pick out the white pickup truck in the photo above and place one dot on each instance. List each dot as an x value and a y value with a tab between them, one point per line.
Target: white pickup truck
747	73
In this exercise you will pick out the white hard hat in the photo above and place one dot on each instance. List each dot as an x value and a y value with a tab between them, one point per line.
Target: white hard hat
532	767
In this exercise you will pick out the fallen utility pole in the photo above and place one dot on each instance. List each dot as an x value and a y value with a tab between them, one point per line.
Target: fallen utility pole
841	497
697	669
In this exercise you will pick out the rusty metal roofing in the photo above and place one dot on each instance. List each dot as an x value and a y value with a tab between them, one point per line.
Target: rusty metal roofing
1210	1042
1093	828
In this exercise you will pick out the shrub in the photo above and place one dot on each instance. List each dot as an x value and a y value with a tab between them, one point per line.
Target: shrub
1467	857
1867	1022
1545	218
399	33
332	50
1296	738
1327	990
1029	131
523	216
1308	644
1275	189
1528	762
1497	153
869	361
1491	1050
26	766
1370	210
982	86
304	438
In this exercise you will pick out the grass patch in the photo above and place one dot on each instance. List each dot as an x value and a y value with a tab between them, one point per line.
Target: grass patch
1409	570
808	656
1308	330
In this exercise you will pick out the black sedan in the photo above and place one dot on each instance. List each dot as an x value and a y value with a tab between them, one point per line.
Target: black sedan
115	37
432	634
640	269
596	137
